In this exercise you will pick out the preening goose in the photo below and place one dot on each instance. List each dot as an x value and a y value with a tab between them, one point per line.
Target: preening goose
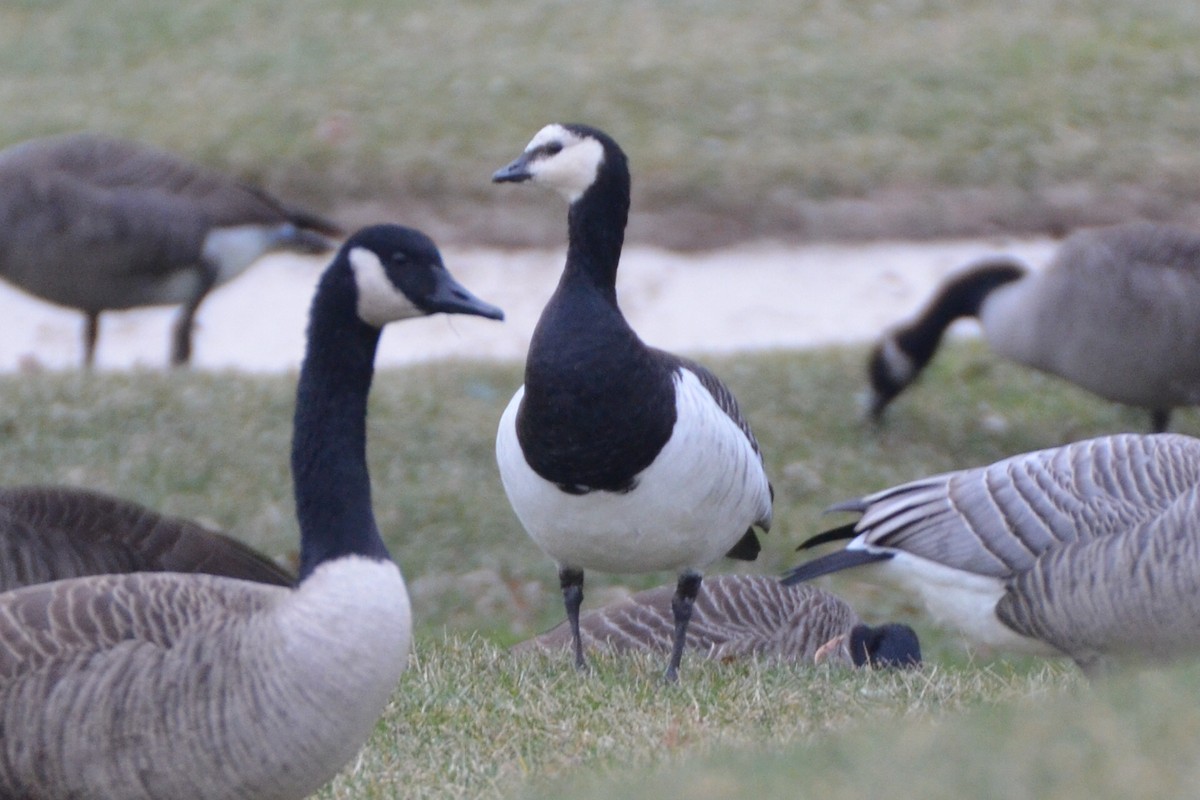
159	685
48	533
97	224
617	456
1117	312
1091	550
742	616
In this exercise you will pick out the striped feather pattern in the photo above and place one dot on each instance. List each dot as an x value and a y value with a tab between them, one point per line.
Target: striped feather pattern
997	520
735	616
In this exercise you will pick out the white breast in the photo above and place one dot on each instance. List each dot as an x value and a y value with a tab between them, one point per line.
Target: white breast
689	507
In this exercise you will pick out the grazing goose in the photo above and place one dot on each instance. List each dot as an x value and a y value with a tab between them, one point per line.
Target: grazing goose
1116	312
159	685
52	532
94	224
617	456
741	616
1090	550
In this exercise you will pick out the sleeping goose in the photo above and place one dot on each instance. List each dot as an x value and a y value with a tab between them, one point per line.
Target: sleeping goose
742	616
160	685
95	223
52	532
617	456
1090	550
1117	312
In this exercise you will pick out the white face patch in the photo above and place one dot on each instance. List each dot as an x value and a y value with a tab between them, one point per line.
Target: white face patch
379	301
572	169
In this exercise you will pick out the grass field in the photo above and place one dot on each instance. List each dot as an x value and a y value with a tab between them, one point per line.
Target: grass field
469	721
917	117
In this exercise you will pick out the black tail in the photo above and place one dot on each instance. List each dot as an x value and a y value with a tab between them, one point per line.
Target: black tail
834	562
832	535
747	548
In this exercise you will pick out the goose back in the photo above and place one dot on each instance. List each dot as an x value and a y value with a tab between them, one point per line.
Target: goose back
48	533
735	616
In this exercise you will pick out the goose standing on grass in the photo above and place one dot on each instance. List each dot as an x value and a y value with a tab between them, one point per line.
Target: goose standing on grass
158	685
98	224
1117	312
617	456
743	616
1090	550
48	533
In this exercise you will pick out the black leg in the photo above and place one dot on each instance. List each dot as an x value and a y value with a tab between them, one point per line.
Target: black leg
181	340
681	606
571	581
91	329
1160	418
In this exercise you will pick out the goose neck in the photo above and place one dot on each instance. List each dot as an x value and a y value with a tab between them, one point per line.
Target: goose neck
329	467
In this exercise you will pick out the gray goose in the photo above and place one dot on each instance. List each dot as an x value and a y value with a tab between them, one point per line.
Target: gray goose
52	532
615	455
97	224
1090	550
161	685
1116	312
742	616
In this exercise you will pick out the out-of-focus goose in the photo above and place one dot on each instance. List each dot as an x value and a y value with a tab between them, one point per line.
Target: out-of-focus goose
1116	312
1091	550
52	532
160	685
741	616
97	224
617	456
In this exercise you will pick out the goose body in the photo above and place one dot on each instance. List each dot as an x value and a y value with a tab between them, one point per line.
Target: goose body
48	533
742	616
615	455
97	224
1117	312
1090	550
157	685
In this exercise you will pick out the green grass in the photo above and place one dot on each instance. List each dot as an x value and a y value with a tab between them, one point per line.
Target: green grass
764	110
469	721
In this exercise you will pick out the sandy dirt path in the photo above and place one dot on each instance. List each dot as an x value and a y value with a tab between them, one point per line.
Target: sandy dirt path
751	297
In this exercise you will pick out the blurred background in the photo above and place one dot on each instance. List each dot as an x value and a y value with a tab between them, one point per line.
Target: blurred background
796	120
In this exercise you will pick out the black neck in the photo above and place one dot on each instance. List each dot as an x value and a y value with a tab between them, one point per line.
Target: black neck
962	296
329	465
596	228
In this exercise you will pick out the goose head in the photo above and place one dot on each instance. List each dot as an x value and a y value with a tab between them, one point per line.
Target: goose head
566	158
890	645
398	273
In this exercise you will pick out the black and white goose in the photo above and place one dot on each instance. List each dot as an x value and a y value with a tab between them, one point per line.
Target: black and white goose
1090	550
1117	312
617	456
48	533
95	223
159	685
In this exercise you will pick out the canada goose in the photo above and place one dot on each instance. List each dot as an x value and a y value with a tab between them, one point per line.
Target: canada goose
160	685
52	532
739	616
1116	312
1090	550
94	223
617	456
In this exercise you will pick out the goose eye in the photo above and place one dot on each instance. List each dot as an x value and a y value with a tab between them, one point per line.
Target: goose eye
553	148
400	257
